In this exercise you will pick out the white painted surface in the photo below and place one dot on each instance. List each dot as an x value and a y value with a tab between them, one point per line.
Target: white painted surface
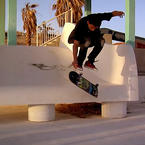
22	83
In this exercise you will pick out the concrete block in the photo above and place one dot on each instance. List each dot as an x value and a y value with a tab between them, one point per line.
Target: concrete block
114	109
41	113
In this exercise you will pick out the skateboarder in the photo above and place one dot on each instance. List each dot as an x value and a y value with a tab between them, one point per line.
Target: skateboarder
87	34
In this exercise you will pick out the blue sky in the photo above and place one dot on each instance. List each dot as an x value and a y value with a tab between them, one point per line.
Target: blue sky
44	12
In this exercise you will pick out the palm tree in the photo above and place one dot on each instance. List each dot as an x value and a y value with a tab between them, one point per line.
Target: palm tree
64	5
29	21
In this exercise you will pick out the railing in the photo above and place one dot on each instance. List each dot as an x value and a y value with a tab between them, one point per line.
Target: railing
52	29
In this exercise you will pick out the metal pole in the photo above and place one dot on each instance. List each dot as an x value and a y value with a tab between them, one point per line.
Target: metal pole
37	37
130	23
71	15
2	22
12	20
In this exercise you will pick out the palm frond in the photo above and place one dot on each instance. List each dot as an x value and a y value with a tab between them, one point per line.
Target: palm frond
29	21
34	5
64	5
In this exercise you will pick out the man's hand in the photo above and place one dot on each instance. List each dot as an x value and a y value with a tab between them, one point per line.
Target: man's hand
75	64
118	13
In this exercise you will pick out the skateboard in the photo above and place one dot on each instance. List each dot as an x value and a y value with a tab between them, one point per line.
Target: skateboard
83	83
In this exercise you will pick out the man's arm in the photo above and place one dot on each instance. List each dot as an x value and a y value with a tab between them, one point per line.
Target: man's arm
108	16
75	51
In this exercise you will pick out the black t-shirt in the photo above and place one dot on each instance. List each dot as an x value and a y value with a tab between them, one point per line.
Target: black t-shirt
82	31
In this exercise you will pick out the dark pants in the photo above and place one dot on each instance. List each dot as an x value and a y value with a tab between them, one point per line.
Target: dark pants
98	44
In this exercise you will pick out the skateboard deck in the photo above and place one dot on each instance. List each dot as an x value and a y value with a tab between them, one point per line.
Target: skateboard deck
83	83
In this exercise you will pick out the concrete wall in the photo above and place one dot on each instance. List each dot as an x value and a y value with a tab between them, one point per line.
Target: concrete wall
139	54
140	58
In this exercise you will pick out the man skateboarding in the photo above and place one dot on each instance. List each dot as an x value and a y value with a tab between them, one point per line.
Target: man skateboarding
87	34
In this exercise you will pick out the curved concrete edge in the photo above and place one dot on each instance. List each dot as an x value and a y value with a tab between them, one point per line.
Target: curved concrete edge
121	69
40	113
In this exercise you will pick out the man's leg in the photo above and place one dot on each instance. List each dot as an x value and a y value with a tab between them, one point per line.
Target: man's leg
82	55
96	50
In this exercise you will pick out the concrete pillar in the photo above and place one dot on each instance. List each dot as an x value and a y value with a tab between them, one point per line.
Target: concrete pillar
12	21
2	22
130	22
114	109
108	38
87	7
41	113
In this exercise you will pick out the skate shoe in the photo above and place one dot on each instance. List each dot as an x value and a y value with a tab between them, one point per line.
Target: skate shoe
89	65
